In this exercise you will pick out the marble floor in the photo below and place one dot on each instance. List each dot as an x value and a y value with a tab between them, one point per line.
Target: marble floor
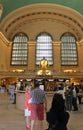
13	119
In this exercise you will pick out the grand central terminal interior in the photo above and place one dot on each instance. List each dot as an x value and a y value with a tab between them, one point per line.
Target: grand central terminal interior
41	41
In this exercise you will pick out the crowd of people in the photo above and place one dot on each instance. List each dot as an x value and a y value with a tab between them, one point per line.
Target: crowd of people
73	96
57	117
65	100
9	90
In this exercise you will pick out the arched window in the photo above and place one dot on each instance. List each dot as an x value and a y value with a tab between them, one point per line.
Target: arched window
68	50
44	48
19	50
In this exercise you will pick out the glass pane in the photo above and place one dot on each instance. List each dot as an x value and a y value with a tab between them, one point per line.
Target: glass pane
68	50
44	48
19	50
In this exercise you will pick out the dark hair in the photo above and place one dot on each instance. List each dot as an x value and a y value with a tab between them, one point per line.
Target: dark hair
36	84
57	103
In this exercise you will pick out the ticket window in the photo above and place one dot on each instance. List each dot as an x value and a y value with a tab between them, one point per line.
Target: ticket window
50	85
41	83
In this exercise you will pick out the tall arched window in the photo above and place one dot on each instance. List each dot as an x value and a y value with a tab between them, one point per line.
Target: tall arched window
19	50
44	48
68	50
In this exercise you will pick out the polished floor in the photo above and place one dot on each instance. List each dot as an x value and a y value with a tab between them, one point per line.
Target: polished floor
13	119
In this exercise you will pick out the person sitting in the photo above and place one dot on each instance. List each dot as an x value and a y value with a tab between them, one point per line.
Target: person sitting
57	117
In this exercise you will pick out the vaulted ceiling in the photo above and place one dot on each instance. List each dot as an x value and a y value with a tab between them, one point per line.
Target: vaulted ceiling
11	5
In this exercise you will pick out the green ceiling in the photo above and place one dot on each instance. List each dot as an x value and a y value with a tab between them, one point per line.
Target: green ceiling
10	5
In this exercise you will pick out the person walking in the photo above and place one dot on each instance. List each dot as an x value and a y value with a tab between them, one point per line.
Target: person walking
39	101
75	91
57	116
80	95
3	89
69	99
27	107
12	91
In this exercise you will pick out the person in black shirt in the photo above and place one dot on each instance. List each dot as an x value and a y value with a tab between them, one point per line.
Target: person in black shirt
57	117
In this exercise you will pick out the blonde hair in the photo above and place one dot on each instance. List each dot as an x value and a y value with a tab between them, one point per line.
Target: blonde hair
28	87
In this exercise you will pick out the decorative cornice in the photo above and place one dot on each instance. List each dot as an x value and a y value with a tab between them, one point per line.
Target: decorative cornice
44	13
80	42
4	39
33	74
68	21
